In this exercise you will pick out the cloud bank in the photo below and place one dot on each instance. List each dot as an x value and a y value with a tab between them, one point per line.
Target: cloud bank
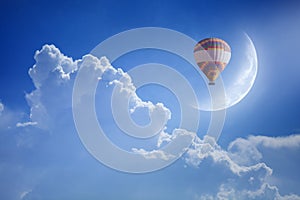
52	77
241	171
245	174
249	174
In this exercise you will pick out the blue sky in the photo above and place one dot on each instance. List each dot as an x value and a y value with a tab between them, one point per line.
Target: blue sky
41	155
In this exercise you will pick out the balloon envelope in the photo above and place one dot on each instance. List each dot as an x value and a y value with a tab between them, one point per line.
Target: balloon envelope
212	55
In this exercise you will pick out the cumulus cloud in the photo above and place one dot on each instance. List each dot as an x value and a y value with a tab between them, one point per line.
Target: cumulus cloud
245	175
53	75
178	135
244	161
246	151
125	95
163	138
202	149
51	64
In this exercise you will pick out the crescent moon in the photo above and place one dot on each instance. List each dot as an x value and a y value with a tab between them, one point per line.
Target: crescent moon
241	86
239	83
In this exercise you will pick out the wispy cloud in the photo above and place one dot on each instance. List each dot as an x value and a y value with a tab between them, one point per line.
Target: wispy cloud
24	194
291	141
153	154
24	124
1	107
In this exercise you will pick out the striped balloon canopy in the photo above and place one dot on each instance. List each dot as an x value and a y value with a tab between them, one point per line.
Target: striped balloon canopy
212	55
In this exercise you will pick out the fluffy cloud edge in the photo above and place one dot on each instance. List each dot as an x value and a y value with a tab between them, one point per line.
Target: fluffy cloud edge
54	74
247	172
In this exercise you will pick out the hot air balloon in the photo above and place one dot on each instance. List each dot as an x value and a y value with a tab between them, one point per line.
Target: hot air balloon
212	55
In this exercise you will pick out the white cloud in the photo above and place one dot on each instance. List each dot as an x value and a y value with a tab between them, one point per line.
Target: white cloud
264	192
246	151
250	176
154	154
245	174
208	148
24	124
177	134
126	92
291	141
53	75
51	62
163	138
